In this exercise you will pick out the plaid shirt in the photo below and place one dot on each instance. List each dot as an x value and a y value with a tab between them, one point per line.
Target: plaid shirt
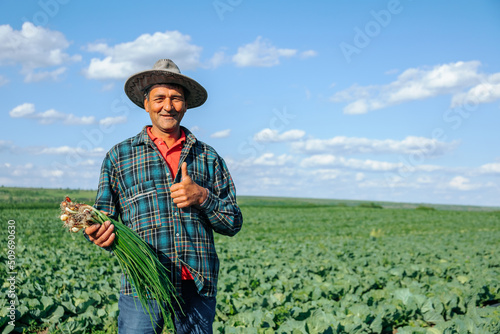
135	185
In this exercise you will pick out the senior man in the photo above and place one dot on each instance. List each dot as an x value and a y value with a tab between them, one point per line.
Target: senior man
174	191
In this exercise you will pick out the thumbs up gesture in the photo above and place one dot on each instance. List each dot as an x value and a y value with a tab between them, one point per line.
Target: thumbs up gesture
187	193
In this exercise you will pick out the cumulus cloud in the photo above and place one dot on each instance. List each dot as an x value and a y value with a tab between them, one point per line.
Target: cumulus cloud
27	110
34	48
422	83
352	145
322	160
273	136
122	60
113	120
68	150
221	134
261	53
490	168
462	183
269	159
485	92
339	161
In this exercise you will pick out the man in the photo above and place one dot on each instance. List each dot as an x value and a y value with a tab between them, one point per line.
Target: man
174	191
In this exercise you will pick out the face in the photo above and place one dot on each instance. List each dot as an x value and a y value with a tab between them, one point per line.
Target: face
166	107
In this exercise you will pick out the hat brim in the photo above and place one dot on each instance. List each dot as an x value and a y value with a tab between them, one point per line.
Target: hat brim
136	84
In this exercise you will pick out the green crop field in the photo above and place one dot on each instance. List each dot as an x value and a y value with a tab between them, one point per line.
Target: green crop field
297	266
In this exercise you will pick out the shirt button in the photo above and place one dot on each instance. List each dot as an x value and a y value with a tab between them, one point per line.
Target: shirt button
175	213
177	234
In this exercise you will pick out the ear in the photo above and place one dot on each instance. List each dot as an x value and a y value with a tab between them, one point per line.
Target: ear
146	107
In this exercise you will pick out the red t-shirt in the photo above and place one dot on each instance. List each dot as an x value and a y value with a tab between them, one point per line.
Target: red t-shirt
172	155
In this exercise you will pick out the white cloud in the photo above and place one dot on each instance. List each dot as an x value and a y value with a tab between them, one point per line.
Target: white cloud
33	48
322	160
23	110
273	136
462	183
54	173
27	110
491	168
68	150
122	60
76	175
486	92
269	159
195	128
421	83
218	59
351	145
308	54
113	120
424	179
221	134
261	53
43	75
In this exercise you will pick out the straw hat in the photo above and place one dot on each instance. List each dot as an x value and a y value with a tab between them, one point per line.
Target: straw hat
164	72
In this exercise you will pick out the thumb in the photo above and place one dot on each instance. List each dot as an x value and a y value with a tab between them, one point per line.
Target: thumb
184	171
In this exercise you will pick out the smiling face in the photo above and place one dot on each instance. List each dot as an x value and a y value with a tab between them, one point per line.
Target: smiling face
166	107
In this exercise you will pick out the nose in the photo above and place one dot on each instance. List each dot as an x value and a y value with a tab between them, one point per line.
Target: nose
168	105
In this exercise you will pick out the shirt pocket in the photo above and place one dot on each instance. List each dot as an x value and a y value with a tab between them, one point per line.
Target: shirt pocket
142	204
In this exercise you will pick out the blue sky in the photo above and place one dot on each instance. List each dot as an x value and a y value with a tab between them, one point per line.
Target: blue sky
366	100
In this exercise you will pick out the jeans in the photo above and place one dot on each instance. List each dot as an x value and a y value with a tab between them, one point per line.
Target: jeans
198	317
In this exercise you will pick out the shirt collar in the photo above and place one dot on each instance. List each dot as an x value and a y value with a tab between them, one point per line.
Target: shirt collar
157	140
143	137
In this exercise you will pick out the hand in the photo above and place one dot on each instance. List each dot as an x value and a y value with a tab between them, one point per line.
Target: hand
101	235
187	192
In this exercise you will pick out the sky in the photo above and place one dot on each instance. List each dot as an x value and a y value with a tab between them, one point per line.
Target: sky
394	100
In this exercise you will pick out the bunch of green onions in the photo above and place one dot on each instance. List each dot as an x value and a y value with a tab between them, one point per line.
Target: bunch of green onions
137	259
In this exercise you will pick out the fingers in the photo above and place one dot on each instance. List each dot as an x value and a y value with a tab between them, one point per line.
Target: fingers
107	238
179	199
92	229
176	187
101	235
179	196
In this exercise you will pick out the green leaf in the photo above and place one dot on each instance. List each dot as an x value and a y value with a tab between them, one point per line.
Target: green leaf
55	316
47	302
403	295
